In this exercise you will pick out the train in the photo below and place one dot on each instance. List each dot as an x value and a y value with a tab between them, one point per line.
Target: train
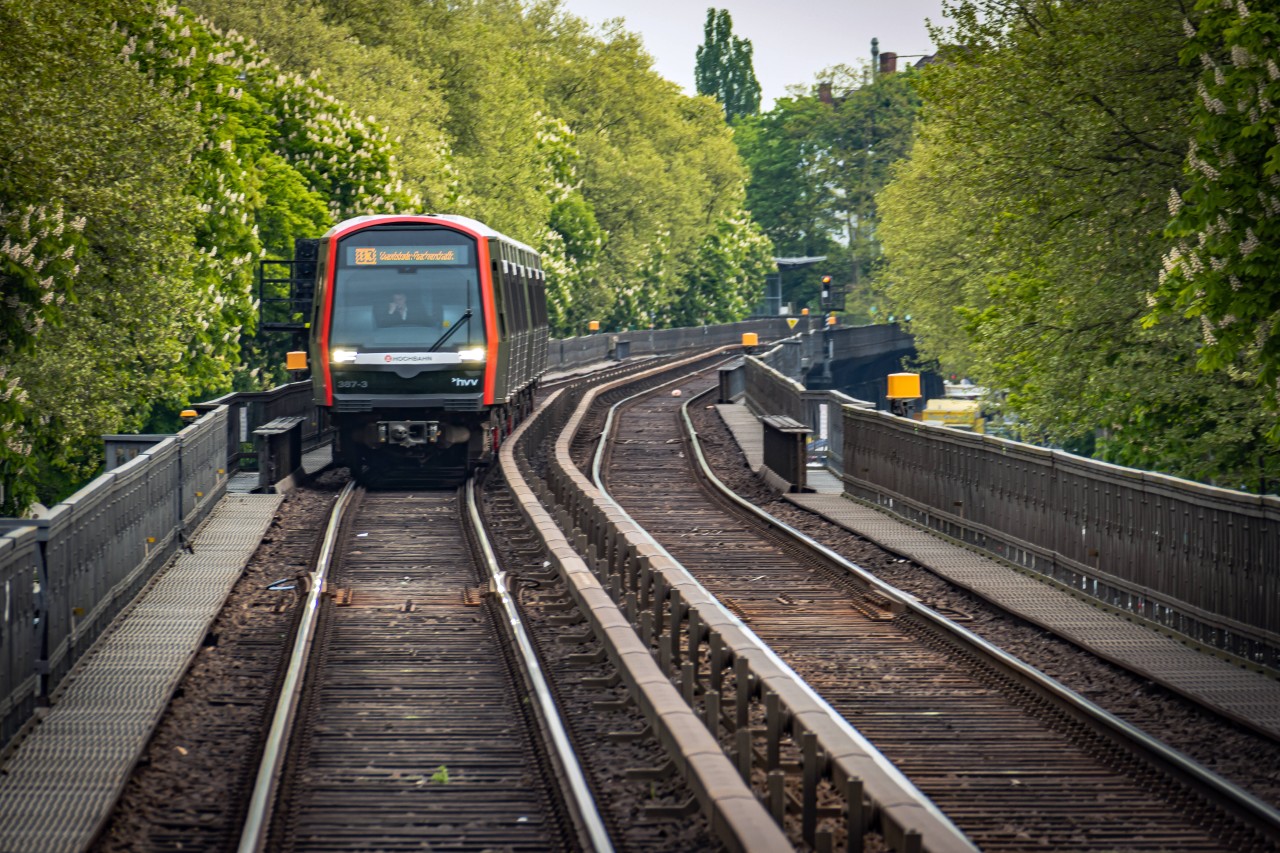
427	340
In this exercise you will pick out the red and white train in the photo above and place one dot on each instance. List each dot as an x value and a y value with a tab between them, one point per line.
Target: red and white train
428	336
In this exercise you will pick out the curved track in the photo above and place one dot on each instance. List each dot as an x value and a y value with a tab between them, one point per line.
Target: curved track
1007	765
422	734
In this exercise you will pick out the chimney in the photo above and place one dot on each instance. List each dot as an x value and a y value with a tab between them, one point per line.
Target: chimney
824	92
888	63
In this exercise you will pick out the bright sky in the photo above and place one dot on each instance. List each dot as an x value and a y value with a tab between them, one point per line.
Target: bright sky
792	41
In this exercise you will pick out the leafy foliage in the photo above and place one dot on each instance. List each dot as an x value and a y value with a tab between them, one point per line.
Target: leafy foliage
818	160
149	160
730	265
151	155
1224	267
92	166
658	171
725	69
789	192
1024	232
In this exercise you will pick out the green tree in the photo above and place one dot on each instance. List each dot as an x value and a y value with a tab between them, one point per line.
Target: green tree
869	127
619	193
726	280
93	167
1224	267
725	69
817	161
789	192
375	78
151	155
659	171
1025	231
279	151
148	161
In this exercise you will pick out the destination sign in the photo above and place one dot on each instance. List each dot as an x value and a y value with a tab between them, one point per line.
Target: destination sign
373	256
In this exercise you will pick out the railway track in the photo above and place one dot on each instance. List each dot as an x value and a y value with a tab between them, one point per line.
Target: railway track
391	770
690	729
1010	765
412	727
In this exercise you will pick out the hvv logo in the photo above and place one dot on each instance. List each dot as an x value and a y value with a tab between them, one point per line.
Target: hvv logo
457	380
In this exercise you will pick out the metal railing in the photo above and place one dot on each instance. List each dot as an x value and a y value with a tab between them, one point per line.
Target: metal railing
67	574
743	684
769	391
1201	561
1198	560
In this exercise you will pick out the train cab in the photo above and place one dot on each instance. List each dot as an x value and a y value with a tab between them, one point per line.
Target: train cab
425	337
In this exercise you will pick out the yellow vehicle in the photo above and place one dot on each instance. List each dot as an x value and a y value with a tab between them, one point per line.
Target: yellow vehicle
957	414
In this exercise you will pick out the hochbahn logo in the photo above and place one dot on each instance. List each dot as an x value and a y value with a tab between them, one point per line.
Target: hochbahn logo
419	357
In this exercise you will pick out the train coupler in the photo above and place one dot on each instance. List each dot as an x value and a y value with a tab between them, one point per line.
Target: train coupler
408	433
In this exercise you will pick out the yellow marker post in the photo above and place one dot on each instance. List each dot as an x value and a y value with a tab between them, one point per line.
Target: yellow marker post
904	390
904	386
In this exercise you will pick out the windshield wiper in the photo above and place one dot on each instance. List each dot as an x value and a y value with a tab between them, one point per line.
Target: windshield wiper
465	318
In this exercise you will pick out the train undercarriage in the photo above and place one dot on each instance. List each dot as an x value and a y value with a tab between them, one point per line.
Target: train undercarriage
412	445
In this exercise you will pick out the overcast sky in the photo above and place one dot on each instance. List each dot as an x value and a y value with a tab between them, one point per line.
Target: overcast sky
793	41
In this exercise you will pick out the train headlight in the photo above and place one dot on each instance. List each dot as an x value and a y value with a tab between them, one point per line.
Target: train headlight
344	356
476	354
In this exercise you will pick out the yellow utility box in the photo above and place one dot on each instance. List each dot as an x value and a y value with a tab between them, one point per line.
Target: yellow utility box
750	339
296	360
957	414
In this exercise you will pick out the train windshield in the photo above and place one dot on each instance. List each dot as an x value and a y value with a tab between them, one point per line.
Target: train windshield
414	289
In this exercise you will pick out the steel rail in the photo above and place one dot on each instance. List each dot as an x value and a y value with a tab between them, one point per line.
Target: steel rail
592	824
257	821
733	809
906	786
1265	816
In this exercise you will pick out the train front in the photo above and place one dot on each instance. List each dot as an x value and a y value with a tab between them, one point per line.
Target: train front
400	343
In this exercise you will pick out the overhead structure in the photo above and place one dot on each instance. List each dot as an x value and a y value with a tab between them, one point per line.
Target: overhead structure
773	284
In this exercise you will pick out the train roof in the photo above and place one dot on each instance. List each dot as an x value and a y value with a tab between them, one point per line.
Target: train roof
466	222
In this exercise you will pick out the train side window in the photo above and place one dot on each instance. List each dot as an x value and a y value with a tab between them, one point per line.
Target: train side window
522	300
514	303
531	288
528	297
540	299
499	302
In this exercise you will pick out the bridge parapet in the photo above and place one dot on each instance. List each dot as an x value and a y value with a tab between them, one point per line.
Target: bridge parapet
1185	558
574	352
70	571
1189	559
